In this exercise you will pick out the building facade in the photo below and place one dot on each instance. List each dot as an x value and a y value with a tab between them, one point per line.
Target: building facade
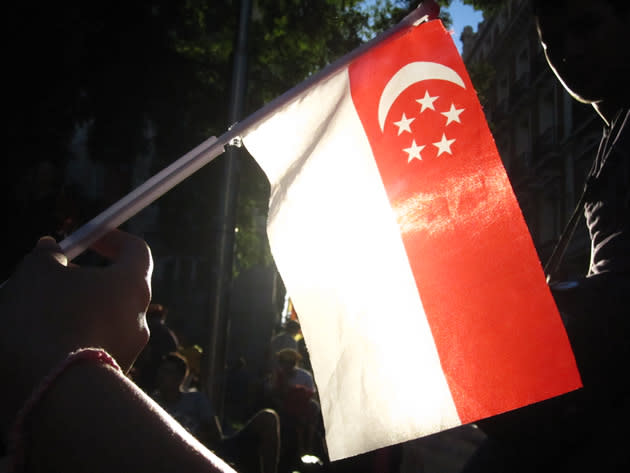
546	139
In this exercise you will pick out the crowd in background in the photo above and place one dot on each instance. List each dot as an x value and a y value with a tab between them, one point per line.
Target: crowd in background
267	424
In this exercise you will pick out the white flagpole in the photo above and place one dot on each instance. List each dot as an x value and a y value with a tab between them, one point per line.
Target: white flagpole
158	185
139	198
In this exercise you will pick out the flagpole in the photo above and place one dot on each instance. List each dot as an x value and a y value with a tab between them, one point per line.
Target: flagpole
158	185
217	332
142	196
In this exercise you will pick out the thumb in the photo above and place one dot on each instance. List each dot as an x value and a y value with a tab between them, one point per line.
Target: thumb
49	245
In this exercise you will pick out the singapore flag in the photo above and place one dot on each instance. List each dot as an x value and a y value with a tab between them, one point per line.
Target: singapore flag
398	237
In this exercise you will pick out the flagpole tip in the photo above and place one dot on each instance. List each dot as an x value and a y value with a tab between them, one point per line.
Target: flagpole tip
431	9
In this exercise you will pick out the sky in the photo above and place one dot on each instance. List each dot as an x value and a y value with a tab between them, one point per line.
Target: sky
463	15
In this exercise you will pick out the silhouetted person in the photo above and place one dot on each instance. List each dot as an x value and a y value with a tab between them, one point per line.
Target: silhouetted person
291	391
162	340
585	430
286	337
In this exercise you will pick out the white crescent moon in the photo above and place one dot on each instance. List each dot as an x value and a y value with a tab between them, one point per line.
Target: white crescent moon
409	75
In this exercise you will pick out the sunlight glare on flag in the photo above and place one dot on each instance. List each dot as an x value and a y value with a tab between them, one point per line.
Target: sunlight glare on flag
395	230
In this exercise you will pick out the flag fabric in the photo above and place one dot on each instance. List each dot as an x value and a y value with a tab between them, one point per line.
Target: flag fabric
396	232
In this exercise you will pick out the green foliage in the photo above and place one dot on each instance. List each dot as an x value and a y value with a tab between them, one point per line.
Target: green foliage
291	40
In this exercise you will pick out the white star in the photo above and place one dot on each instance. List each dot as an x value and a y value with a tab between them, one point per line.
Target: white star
453	114
404	124
427	101
444	145
413	151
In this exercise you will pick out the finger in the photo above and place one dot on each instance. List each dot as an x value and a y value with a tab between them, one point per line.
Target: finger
124	249
131	262
47	244
46	249
41	269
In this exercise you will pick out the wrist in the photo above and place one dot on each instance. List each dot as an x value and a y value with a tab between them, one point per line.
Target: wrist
27	374
18	436
95	419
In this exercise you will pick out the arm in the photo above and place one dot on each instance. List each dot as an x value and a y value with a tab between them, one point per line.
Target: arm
95	419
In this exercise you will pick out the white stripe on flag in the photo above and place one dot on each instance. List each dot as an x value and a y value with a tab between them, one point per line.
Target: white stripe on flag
332	229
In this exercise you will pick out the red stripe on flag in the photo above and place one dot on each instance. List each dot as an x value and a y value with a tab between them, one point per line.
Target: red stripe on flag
498	333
